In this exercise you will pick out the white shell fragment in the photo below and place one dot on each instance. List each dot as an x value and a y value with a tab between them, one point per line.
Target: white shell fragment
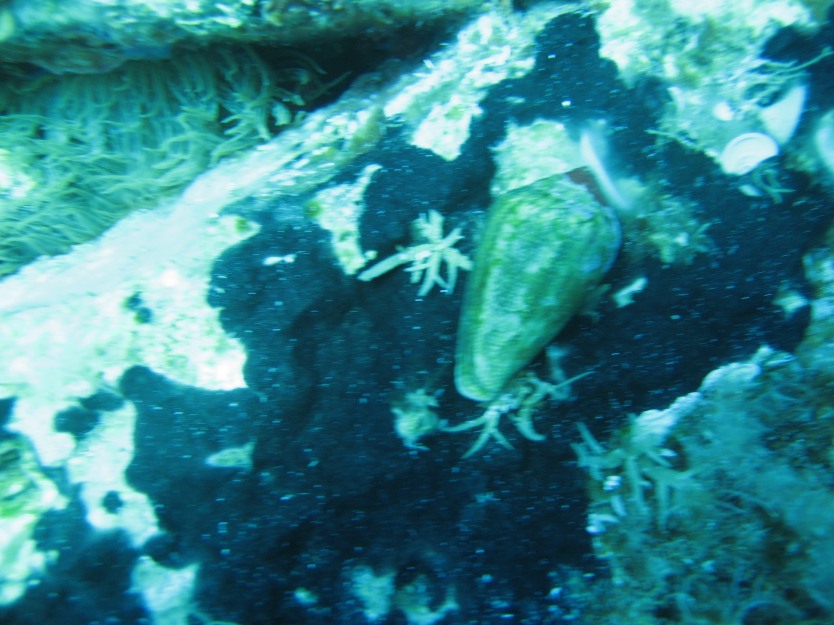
745	152
824	140
781	118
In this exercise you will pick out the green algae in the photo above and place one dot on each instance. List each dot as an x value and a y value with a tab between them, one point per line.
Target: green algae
85	150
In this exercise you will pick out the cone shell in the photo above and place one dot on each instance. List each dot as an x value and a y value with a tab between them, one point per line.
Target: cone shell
544	248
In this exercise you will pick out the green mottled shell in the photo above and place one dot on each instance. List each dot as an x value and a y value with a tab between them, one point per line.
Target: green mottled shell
544	248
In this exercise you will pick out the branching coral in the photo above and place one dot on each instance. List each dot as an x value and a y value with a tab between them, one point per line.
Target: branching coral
427	257
519	402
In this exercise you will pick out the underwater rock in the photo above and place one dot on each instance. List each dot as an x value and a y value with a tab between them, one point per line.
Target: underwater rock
669	473
544	248
92	36
26	494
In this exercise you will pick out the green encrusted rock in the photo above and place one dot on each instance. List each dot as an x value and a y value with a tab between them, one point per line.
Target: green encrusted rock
544	249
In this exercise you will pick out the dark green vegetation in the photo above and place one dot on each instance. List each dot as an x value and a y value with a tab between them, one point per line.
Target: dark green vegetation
81	151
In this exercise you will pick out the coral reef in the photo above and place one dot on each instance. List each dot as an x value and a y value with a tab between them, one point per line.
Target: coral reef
247	421
719	508
713	63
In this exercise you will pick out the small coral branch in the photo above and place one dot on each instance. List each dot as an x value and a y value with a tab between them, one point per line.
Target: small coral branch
427	257
519	402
